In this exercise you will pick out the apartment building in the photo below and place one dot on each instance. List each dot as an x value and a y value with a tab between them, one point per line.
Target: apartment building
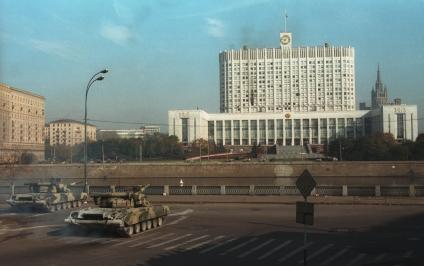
22	121
69	132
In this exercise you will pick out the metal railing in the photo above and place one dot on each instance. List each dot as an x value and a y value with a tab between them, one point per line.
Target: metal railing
258	190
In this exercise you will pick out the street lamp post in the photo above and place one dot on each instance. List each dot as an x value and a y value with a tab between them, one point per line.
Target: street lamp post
93	79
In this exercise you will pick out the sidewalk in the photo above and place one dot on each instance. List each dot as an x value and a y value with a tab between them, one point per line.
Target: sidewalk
324	200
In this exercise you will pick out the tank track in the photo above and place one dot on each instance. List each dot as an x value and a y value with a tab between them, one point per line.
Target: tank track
141	227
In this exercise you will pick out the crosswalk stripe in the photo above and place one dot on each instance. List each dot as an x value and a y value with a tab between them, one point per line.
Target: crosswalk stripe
149	240
71	240
140	237
239	246
110	241
255	248
294	252
272	251
203	243
356	259
39	214
335	256
178	220
169	241
79	240
89	241
317	253
217	245
186	242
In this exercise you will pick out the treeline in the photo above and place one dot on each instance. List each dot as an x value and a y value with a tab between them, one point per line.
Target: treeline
379	147
157	146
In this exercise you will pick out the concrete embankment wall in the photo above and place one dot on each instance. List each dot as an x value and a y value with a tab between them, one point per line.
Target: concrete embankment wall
234	173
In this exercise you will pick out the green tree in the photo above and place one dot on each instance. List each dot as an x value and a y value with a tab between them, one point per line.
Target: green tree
27	158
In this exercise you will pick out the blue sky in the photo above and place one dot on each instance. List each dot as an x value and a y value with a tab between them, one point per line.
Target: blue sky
163	54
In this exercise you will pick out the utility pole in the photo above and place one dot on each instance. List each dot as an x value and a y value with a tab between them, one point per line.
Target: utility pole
200	151
141	151
208	147
103	153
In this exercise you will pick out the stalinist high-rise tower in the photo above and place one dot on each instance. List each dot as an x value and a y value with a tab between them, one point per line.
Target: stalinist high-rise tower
379	94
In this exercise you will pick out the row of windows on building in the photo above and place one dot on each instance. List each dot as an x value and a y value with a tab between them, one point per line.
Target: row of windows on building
293	61
291	131
284	131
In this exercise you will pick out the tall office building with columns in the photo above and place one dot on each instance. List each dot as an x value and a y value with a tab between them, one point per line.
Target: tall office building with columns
301	79
290	96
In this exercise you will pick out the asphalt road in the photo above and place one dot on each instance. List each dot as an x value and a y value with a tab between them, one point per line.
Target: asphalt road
225	234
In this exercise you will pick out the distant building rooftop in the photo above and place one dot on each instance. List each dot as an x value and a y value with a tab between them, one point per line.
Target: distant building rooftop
68	121
22	91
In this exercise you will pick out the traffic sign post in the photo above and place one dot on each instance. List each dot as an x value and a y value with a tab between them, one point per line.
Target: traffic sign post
305	210
304	213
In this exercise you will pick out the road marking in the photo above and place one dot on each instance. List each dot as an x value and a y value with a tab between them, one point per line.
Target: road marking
79	240
8	214
149	240
140	237
169	241
32	227
69	240
294	252
238	246
39	214
90	241
255	248
380	257
217	245
335	256
111	241
272	251
356	259
186	242
317	253
203	243
408	254
178	220
185	212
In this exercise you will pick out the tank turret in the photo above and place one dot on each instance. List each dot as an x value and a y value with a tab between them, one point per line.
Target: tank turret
47	196
127	212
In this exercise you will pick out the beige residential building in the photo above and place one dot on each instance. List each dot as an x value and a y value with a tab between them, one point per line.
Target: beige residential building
21	124
68	132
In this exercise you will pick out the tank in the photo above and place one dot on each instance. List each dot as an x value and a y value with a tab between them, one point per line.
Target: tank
47	196
126	213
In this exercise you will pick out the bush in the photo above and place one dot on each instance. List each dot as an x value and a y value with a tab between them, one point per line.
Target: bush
27	158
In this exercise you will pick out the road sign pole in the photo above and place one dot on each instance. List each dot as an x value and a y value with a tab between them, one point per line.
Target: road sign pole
305	211
304	240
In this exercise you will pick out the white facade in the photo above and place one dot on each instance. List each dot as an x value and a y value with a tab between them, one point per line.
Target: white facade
104	134
268	129
285	79
399	120
290	96
293	128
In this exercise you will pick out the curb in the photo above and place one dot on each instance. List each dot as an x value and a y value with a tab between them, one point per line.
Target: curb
387	201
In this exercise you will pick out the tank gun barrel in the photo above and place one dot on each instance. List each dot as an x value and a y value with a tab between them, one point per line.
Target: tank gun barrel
75	183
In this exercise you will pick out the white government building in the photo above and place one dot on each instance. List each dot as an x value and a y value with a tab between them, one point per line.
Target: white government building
291	96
